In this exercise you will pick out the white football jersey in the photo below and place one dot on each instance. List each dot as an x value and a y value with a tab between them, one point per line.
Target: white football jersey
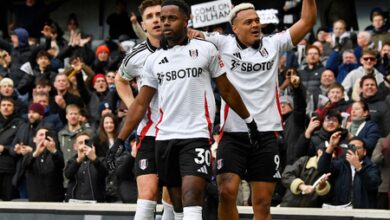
131	68
254	73
182	75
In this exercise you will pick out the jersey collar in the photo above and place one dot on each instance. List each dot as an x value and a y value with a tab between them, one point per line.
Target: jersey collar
242	46
151	48
164	43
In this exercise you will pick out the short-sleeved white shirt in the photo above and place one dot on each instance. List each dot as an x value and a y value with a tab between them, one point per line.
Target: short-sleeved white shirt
131	68
182	75
254	73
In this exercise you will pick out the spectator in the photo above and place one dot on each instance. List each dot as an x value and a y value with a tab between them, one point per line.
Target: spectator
107	132
375	11
119	21
363	127
356	178
72	28
368	60
99	94
68	134
85	171
61	97
42	85
40	70
7	90
103	63
311	74
110	79
381	157
317	135
294	117
380	33
323	57
19	51
348	64
9	68
324	37
327	79
383	64
375	102
336	101
44	168
341	38
363	42
9	125
103	140
23	144
299	178
50	119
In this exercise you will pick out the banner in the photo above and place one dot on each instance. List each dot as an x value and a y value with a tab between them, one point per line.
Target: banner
210	13
268	16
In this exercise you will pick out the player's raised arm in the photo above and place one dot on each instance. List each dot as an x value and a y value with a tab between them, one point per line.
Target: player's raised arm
123	88
305	23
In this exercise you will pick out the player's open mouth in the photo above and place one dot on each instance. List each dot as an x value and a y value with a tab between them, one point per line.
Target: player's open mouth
167	31
157	27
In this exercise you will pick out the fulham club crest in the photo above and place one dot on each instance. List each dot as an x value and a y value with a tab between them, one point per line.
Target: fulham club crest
194	53
263	52
143	164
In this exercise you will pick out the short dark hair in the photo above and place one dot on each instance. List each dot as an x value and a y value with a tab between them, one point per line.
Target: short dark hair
336	85
183	6
356	138
43	53
334	113
8	99
364	78
41	81
147	3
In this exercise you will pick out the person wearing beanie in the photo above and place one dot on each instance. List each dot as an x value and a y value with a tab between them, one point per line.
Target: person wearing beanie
23	143
37	108
102	60
104	108
102	49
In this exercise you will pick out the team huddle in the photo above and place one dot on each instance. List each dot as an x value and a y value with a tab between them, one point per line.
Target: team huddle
175	109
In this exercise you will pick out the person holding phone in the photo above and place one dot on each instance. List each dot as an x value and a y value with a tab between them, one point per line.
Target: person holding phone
354	170
317	134
85	171
43	168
